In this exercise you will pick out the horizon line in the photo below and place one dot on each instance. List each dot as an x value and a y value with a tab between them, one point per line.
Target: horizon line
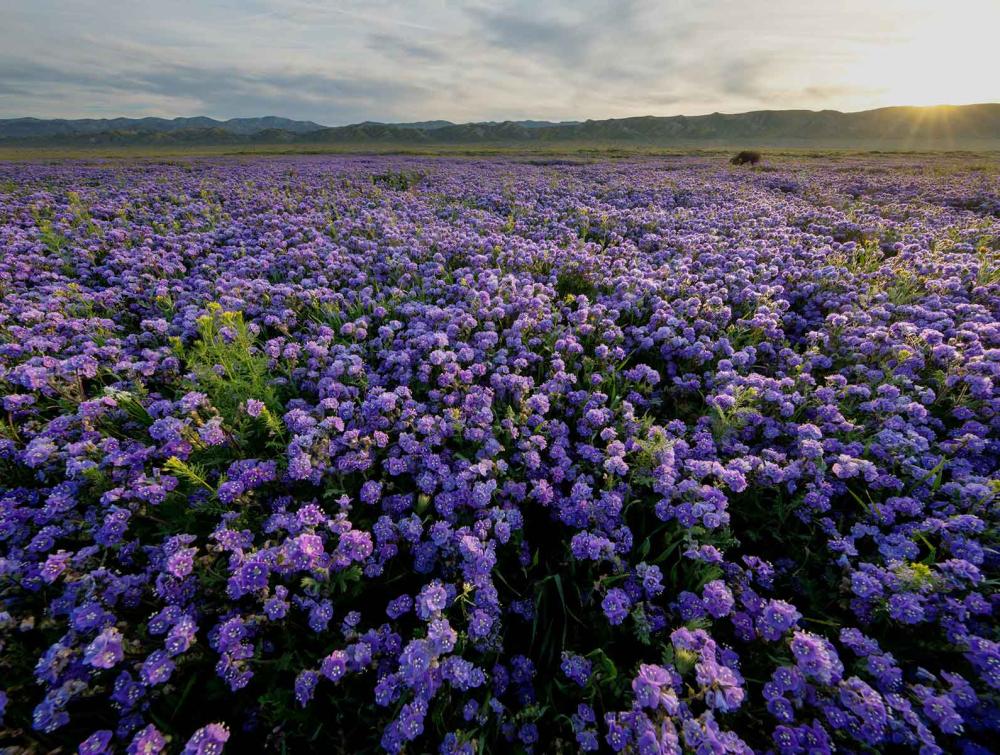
505	120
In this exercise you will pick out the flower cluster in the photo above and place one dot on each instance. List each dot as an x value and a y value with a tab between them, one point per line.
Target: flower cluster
654	456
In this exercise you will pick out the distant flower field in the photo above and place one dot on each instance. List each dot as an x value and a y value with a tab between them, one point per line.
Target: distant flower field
459	456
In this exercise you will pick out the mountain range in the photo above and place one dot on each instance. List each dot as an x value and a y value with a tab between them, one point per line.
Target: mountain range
942	127
36	128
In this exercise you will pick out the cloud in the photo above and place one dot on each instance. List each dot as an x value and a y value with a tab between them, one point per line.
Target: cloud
554	40
340	61
400	48
604	41
219	90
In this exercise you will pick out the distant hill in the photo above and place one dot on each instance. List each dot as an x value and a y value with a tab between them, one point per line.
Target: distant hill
36	128
420	125
945	127
963	127
432	125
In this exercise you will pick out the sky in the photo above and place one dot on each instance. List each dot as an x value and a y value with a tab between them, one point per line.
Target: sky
344	61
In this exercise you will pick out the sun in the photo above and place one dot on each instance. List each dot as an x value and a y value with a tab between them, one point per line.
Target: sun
943	55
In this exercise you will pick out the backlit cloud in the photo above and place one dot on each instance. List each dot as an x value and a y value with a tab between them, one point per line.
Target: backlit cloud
341	62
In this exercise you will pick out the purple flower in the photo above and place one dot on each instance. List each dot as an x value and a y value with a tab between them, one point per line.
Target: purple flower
320	614
54	566
157	668
254	407
816	657
906	608
415	661
251	576
776	619
211	433
180	563
105	651
230	490
356	545
208	740
652	579
305	686
181	636
723	686
616	605
334	666
717	599
432	600
38	451
149	741
480	623
371	491
576	668
653	689
96	744
399	606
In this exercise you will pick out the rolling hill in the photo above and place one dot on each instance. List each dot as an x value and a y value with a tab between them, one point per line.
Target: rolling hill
36	128
974	127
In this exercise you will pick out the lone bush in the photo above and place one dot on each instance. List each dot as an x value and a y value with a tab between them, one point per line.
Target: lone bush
746	157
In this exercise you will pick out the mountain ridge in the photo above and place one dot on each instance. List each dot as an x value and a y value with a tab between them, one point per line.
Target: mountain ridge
938	127
13	128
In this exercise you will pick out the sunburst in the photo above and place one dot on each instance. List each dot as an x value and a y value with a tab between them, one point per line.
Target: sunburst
943	54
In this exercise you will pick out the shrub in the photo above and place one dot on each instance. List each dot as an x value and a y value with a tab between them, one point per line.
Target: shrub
746	157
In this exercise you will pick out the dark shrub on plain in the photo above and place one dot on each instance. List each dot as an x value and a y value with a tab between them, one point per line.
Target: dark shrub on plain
746	157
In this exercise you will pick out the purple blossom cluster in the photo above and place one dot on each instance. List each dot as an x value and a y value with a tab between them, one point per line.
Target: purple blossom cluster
459	456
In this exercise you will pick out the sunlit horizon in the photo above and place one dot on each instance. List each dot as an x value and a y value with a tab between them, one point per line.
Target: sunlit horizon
476	61
943	57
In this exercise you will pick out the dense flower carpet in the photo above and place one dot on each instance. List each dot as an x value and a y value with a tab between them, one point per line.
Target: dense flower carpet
352	454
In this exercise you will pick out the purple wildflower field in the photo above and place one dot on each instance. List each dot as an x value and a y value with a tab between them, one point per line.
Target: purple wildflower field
354	454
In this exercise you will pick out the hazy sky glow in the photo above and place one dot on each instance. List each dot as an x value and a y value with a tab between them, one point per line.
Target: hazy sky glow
343	61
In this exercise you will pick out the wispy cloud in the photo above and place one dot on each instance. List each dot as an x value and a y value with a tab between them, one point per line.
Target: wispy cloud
339	61
218	89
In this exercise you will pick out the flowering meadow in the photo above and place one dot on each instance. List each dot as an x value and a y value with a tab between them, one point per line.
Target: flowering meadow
352	454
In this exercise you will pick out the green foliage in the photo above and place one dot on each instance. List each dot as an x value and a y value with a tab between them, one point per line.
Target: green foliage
193	475
727	420
402	180
988	271
131	403
574	281
905	288
866	258
228	366
648	457
80	213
